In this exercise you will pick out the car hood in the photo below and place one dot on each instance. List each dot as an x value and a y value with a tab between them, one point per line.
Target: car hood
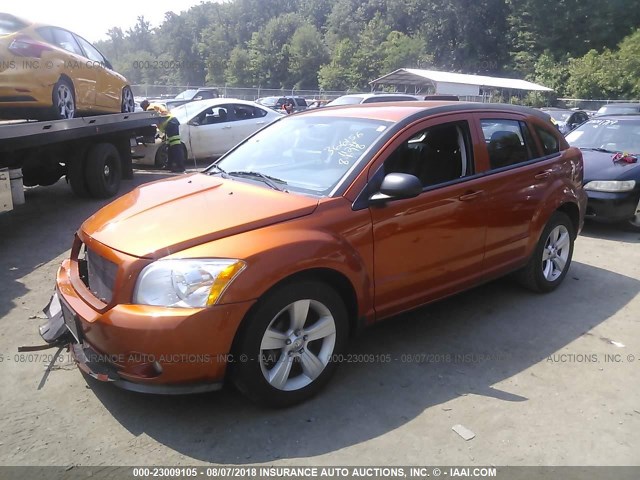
600	166
170	215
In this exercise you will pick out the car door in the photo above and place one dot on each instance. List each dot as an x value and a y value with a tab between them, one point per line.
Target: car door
75	67
517	178
108	85
210	133
433	244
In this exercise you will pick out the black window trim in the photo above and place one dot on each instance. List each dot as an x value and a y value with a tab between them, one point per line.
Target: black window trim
372	186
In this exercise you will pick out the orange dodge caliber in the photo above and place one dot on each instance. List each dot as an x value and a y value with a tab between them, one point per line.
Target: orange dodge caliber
260	267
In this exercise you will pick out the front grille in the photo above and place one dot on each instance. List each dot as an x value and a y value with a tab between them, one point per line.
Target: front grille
98	274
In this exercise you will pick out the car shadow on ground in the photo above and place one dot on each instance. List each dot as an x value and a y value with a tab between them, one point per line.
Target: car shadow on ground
611	232
488	335
43	228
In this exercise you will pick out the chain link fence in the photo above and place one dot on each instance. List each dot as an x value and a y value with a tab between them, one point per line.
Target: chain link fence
170	91
587	104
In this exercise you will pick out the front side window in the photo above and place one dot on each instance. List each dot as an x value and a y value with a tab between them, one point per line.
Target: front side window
439	154
505	140
211	116
309	155
91	51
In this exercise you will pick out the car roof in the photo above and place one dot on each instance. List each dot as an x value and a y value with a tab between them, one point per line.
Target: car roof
617	116
627	105
396	111
369	95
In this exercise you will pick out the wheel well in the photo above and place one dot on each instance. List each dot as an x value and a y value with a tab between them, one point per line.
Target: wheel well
328	276
68	79
572	211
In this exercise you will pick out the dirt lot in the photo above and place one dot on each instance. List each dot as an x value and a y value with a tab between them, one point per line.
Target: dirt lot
540	379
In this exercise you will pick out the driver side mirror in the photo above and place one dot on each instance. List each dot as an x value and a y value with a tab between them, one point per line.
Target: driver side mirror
397	186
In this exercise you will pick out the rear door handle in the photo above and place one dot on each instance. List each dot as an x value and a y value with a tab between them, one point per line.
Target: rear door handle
542	175
260	123
470	195
226	128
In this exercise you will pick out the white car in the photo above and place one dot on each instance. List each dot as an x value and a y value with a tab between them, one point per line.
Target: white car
210	128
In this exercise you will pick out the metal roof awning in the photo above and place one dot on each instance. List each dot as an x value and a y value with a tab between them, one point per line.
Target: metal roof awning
449	81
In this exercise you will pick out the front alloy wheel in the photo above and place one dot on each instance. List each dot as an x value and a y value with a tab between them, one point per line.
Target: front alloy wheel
297	345
286	349
128	101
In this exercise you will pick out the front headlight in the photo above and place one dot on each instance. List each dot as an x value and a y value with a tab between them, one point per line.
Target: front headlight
185	283
611	185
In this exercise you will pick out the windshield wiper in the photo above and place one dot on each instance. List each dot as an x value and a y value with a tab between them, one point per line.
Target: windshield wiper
223	172
598	149
261	176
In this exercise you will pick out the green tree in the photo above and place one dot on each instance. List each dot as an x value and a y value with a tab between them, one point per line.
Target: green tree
307	53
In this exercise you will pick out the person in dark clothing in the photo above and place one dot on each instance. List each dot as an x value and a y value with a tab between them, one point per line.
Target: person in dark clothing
170	127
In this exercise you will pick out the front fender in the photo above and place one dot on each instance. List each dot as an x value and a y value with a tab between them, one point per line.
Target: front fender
333	238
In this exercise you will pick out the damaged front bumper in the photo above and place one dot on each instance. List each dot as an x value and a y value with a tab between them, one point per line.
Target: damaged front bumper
63	329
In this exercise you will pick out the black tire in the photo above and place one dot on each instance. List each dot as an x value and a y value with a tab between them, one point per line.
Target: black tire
75	176
41	170
545	275
63	100
252	365
103	170
128	103
632	224
162	156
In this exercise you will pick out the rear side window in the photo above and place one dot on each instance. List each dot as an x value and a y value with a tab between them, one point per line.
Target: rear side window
66	41
247	112
10	24
508	142
47	34
549	141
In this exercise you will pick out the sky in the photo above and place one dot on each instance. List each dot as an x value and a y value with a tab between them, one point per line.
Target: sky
92	19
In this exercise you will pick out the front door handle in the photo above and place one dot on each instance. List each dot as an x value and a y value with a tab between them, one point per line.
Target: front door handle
226	128
542	175
470	195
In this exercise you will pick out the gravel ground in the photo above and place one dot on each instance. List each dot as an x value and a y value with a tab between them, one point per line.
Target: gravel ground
539	379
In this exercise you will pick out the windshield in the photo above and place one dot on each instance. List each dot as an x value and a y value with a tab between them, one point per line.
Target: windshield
268	101
186	112
614	135
617	110
558	115
308	154
346	100
186	95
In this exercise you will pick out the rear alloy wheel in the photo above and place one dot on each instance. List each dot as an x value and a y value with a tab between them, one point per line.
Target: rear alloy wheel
103	170
286	352
64	101
551	258
128	102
